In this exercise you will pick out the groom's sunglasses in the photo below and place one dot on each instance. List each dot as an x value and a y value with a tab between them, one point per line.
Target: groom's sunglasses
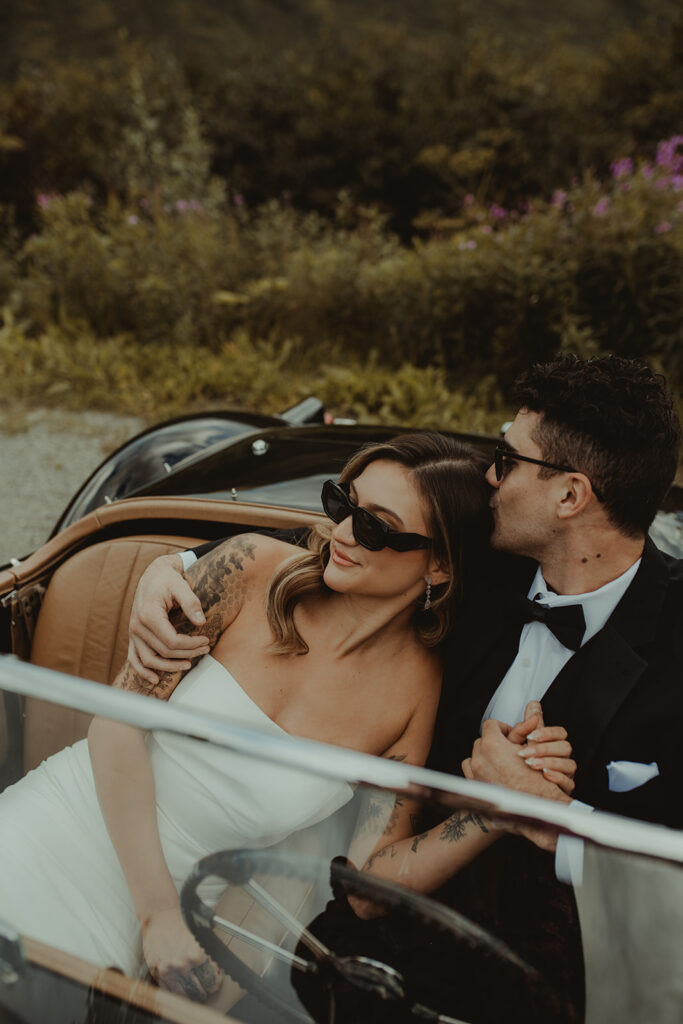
369	531
503	455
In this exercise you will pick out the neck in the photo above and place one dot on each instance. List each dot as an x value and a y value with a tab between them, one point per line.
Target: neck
586	562
348	622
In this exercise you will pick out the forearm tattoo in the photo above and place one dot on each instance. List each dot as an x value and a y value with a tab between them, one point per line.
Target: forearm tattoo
454	828
218	581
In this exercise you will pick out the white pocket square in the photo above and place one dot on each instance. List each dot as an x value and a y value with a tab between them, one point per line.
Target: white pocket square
626	775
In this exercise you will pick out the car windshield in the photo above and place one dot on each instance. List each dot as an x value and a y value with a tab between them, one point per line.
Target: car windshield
264	836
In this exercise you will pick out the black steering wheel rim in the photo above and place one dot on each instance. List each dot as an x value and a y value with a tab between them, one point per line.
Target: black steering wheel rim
236	867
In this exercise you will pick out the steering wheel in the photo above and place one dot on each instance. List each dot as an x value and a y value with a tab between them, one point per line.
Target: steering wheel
325	970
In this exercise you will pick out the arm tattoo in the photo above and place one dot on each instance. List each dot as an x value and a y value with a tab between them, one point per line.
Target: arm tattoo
454	828
417	840
218	581
377	856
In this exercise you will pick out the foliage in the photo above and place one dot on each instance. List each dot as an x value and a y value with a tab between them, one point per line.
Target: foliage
598	266
410	122
404	220
69	368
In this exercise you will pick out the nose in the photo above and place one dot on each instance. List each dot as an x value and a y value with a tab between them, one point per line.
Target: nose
343	532
491	478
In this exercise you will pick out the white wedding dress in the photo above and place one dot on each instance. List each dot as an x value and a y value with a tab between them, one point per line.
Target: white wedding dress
60	879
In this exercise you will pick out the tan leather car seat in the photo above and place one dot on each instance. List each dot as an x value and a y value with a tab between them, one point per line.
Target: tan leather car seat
82	629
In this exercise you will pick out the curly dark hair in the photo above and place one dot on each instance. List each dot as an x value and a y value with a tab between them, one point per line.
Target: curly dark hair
612	419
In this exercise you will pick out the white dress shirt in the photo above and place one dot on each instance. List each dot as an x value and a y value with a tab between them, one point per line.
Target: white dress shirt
539	659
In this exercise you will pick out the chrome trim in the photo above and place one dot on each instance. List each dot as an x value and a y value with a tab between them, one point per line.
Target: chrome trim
610	830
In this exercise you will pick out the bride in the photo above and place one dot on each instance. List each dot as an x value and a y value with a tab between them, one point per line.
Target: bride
338	642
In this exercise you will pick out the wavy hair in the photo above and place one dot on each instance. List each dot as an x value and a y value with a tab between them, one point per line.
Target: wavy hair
449	475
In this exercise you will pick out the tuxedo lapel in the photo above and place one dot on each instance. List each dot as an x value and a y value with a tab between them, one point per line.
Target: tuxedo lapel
596	681
590	689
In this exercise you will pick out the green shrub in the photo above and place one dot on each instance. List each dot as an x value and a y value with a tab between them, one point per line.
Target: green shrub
600	261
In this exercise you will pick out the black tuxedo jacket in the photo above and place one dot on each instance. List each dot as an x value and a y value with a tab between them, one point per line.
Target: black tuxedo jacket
620	697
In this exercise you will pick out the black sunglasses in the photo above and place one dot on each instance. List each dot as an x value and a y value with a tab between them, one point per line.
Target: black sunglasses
501	455
369	531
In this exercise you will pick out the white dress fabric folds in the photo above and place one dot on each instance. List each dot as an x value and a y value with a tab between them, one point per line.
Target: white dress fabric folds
60	879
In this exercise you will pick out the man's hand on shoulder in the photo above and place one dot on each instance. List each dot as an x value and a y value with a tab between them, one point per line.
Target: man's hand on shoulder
154	645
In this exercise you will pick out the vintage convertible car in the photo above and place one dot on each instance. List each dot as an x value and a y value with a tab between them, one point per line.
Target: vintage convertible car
63	620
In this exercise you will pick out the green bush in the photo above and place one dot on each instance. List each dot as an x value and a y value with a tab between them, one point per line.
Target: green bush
600	264
409	122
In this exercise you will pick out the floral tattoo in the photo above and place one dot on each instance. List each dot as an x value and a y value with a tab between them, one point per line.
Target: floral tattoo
218	581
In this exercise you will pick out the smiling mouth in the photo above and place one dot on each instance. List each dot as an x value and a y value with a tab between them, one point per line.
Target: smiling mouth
340	558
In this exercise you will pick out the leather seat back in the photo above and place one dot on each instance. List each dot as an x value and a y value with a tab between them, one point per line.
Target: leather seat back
82	629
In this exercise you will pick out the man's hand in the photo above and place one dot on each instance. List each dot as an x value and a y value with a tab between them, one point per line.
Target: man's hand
154	646
496	759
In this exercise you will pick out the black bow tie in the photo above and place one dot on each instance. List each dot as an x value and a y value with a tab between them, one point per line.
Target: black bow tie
566	622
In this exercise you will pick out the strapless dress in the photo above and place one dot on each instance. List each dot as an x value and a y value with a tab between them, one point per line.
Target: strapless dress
60	879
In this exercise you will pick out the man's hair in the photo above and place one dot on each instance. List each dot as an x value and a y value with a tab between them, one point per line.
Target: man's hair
612	419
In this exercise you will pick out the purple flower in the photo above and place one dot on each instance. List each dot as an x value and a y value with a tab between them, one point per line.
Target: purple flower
677	182
182	206
662	228
486	229
559	198
623	167
469	244
624	186
647	171
469	200
46	199
601	207
131	219
499	212
238	199
668	155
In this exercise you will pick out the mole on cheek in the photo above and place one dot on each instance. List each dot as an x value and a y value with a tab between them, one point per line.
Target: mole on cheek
583	561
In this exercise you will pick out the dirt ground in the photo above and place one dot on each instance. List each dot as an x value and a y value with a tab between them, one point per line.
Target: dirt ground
45	455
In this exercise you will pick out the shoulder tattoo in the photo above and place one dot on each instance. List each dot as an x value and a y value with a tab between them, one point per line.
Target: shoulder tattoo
218	581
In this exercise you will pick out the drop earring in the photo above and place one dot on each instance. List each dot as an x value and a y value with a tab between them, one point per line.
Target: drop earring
428	594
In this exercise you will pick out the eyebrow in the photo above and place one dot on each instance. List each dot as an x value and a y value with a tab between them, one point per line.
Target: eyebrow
376	508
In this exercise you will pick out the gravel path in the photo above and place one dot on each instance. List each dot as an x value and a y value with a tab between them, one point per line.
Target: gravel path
45	455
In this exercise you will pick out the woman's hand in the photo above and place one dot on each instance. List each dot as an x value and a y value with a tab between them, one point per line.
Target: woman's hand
545	748
154	645
175	959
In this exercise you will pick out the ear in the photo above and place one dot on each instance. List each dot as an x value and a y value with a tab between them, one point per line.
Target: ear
575	496
438	573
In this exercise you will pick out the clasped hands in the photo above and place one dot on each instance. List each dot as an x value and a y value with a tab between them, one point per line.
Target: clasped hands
530	757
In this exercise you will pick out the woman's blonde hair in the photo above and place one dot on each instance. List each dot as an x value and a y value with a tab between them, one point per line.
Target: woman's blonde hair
449	475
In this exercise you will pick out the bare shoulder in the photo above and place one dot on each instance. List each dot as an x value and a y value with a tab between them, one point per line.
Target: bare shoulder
419	683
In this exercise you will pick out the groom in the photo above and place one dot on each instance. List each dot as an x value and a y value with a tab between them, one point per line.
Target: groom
576	483
579	610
